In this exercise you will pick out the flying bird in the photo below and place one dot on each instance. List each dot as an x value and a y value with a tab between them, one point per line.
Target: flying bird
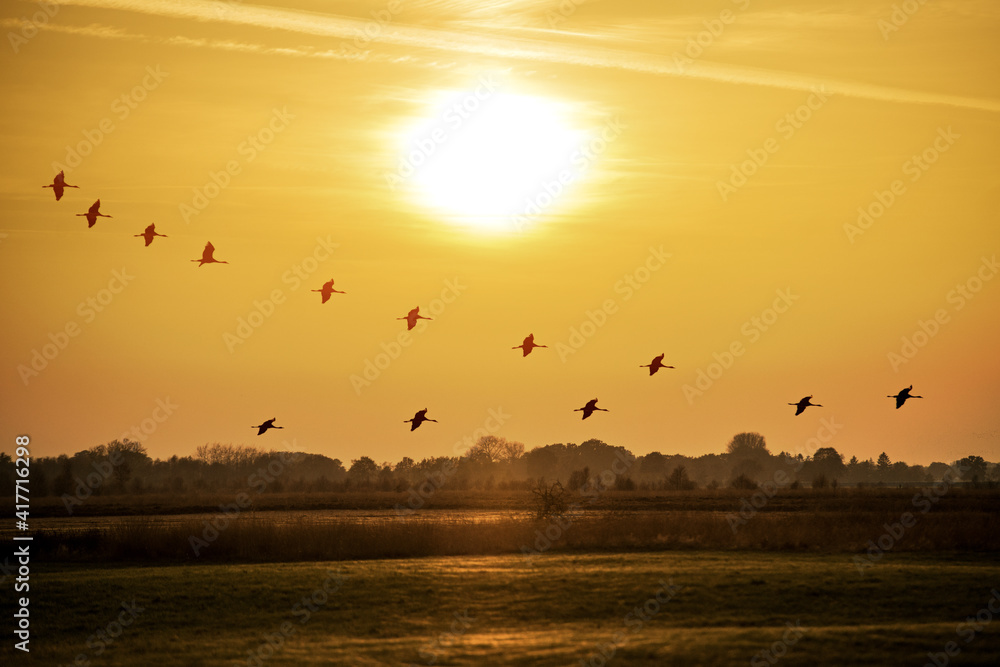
803	404
528	345
655	365
327	290
149	233
93	213
412	317
902	396
58	183
266	425
589	408
418	419
206	256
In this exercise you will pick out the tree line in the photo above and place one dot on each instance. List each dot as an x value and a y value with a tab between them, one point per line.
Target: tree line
493	462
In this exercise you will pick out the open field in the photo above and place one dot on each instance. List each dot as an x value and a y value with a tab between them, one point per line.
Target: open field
560	609
486	582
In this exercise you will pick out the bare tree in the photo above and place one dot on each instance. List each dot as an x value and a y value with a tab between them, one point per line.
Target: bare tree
488	449
512	451
550	500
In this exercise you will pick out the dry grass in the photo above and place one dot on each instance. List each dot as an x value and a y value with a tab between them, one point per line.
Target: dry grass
719	500
256	538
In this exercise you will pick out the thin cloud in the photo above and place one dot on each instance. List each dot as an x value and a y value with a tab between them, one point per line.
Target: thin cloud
324	25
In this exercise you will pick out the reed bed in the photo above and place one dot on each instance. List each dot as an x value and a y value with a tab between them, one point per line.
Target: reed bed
256	538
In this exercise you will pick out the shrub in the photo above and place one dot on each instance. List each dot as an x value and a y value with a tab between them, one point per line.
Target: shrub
741	481
550	500
679	480
624	484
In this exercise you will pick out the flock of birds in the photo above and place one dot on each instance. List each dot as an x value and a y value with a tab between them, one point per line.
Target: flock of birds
59	184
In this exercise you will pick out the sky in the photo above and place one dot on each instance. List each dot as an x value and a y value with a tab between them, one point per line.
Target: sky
784	198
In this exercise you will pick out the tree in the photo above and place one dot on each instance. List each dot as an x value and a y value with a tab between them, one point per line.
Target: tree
230	456
828	462
743	482
747	445
7	473
63	482
883	465
405	466
748	468
512	451
653	464
578	478
363	470
488	449
131	458
679	480
973	468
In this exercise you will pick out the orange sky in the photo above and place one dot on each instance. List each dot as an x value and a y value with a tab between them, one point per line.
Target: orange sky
311	115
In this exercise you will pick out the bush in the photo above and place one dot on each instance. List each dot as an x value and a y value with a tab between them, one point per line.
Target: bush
679	480
741	481
820	482
624	484
549	500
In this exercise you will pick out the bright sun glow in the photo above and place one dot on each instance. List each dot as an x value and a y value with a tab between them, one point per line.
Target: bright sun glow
488	157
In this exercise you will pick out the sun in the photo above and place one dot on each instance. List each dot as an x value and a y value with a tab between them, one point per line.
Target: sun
492	160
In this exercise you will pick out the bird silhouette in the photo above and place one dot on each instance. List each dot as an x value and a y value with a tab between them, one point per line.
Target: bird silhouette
206	256
418	419
58	183
903	395
803	404
266	425
528	345
327	290
589	408
93	213
412	317
149	233
655	365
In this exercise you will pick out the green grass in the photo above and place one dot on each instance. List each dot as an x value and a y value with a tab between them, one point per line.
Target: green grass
555	611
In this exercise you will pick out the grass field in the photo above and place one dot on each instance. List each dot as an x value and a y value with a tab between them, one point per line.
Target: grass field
559	609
